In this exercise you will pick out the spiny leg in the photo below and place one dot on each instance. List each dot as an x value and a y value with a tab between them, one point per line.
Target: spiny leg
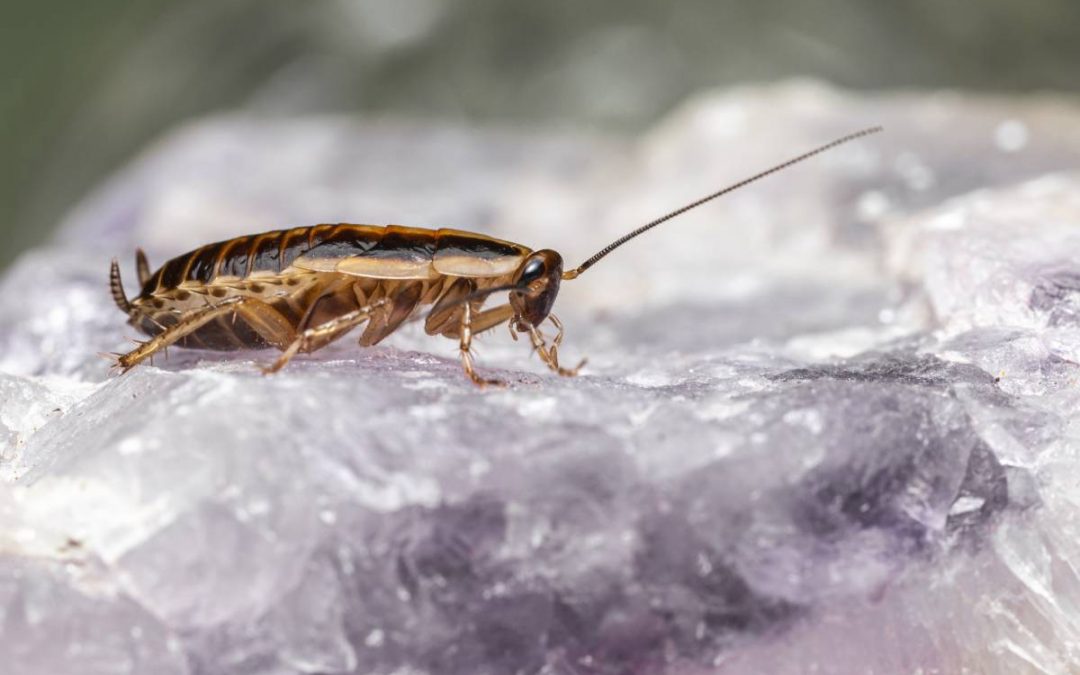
558	341
559	327
465	343
481	321
489	318
263	318
550	355
268	322
322	334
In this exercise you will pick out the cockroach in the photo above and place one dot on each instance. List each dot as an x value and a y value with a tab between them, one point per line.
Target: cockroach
300	289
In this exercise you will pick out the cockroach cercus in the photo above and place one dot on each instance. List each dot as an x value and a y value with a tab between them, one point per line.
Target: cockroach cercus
300	289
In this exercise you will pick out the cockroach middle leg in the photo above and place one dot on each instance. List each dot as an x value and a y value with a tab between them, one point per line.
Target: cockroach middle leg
263	318
465	341
483	321
489	318
323	334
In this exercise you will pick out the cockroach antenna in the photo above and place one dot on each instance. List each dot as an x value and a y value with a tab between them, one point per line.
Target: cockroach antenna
576	272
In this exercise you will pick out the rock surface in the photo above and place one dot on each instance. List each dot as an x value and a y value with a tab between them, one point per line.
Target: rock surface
829	423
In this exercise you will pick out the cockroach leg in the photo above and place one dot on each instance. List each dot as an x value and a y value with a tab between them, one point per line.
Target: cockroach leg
465	347
559	327
323	334
444	317
558	341
550	355
268	322
489	318
481	321
263	318
153	320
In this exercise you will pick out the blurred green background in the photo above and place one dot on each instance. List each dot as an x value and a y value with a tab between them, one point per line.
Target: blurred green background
86	84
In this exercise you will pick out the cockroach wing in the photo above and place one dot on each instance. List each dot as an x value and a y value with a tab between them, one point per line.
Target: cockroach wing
467	254
391	252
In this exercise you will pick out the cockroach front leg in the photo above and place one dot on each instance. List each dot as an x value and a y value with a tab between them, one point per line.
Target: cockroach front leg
465	347
550	355
263	318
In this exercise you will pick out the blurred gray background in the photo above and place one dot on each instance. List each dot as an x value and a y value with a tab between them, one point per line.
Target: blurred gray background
87	84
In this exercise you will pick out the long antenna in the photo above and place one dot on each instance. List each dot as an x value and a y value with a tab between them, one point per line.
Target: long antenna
574	273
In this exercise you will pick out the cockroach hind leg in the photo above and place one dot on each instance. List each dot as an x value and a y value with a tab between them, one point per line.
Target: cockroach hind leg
116	365
319	336
283	359
188	324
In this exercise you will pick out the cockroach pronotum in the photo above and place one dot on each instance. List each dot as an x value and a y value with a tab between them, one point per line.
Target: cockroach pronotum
299	290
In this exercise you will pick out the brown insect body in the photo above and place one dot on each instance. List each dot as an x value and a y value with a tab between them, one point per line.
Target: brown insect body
302	288
316	273
285	282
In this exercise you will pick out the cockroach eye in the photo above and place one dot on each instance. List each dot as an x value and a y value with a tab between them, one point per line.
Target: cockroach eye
534	269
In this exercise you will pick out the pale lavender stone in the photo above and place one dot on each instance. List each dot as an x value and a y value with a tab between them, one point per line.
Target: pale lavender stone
822	430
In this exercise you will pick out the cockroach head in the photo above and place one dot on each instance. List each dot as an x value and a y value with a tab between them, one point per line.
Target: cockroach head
536	286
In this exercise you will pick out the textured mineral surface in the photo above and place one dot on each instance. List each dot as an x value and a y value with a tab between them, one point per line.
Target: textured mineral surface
829	424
